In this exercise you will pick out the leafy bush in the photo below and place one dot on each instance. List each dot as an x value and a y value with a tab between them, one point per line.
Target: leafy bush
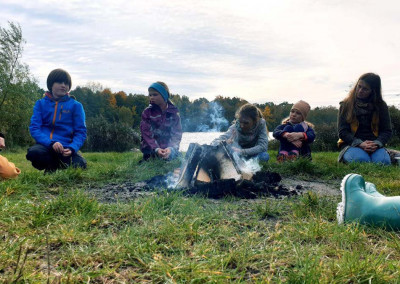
273	144
395	117
326	137
104	136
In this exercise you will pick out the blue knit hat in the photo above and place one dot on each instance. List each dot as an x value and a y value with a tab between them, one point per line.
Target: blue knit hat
161	89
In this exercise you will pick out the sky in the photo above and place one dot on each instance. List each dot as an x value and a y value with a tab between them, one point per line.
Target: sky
261	51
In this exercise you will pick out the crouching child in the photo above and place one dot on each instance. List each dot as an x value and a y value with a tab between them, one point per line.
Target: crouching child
248	134
58	126
160	127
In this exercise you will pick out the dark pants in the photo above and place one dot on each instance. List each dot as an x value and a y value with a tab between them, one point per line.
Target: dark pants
44	158
150	154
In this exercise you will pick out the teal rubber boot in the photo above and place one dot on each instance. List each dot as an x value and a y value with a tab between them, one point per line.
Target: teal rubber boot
359	206
370	188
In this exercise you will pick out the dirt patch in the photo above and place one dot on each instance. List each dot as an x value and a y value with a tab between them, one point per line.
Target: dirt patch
118	192
266	185
321	188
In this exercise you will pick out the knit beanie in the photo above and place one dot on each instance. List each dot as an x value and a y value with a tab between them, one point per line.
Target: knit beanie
303	107
161	89
58	76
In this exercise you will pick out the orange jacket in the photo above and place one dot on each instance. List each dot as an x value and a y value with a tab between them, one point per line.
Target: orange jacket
8	169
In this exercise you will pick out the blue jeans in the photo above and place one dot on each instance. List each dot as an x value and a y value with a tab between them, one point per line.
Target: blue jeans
174	154
356	154
262	157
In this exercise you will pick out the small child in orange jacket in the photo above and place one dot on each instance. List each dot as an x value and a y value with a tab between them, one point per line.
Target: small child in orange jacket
7	169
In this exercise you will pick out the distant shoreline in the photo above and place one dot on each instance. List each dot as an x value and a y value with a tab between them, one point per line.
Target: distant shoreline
202	138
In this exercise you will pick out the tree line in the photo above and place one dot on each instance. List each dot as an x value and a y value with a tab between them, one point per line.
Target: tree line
113	118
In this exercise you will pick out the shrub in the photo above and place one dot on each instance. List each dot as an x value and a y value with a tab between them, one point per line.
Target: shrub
326	137
395	117
273	144
104	136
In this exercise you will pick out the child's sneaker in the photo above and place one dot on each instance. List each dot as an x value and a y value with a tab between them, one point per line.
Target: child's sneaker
292	156
280	158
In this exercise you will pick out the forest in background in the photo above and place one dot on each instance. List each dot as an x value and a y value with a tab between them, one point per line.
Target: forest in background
113	118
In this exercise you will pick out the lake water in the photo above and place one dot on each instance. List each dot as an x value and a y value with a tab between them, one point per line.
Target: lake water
201	138
197	137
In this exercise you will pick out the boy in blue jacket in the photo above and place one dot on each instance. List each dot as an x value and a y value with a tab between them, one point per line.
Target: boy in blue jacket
58	126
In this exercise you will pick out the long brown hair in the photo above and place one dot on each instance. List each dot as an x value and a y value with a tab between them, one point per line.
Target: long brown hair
250	111
374	82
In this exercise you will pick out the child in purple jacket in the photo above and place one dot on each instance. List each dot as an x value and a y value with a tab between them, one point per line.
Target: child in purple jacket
160	128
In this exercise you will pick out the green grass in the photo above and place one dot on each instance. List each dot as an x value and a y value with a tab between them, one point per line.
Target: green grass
52	229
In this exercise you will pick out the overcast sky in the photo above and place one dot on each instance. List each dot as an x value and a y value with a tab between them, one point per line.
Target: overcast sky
261	51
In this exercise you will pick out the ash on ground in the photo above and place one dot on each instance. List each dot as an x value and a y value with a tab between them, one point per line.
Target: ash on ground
263	184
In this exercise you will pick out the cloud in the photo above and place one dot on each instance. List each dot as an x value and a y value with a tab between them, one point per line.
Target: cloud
257	50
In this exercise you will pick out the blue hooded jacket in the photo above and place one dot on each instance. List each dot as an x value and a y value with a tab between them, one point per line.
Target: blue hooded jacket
58	121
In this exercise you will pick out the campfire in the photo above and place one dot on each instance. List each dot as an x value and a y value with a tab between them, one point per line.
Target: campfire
210	171
215	171
207	164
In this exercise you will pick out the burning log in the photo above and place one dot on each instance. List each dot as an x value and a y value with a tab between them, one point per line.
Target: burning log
205	163
214	172
210	171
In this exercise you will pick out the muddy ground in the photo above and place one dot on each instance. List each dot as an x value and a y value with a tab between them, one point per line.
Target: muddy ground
321	188
126	191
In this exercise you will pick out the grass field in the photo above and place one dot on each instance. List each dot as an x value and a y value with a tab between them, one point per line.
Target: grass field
52	230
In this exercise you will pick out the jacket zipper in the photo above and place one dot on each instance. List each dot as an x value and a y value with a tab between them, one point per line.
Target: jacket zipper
54	120
59	117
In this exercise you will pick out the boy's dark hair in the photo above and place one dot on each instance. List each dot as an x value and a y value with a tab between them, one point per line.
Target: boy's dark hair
58	76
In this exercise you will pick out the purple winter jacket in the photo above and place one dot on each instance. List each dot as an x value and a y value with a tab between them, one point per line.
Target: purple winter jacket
160	129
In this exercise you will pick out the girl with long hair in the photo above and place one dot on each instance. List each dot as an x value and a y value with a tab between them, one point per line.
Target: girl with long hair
248	134
364	124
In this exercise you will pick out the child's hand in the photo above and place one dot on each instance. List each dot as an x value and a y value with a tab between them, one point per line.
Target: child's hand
167	152
2	142
297	143
232	138
164	153
289	137
236	150
67	152
160	153
294	136
58	148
